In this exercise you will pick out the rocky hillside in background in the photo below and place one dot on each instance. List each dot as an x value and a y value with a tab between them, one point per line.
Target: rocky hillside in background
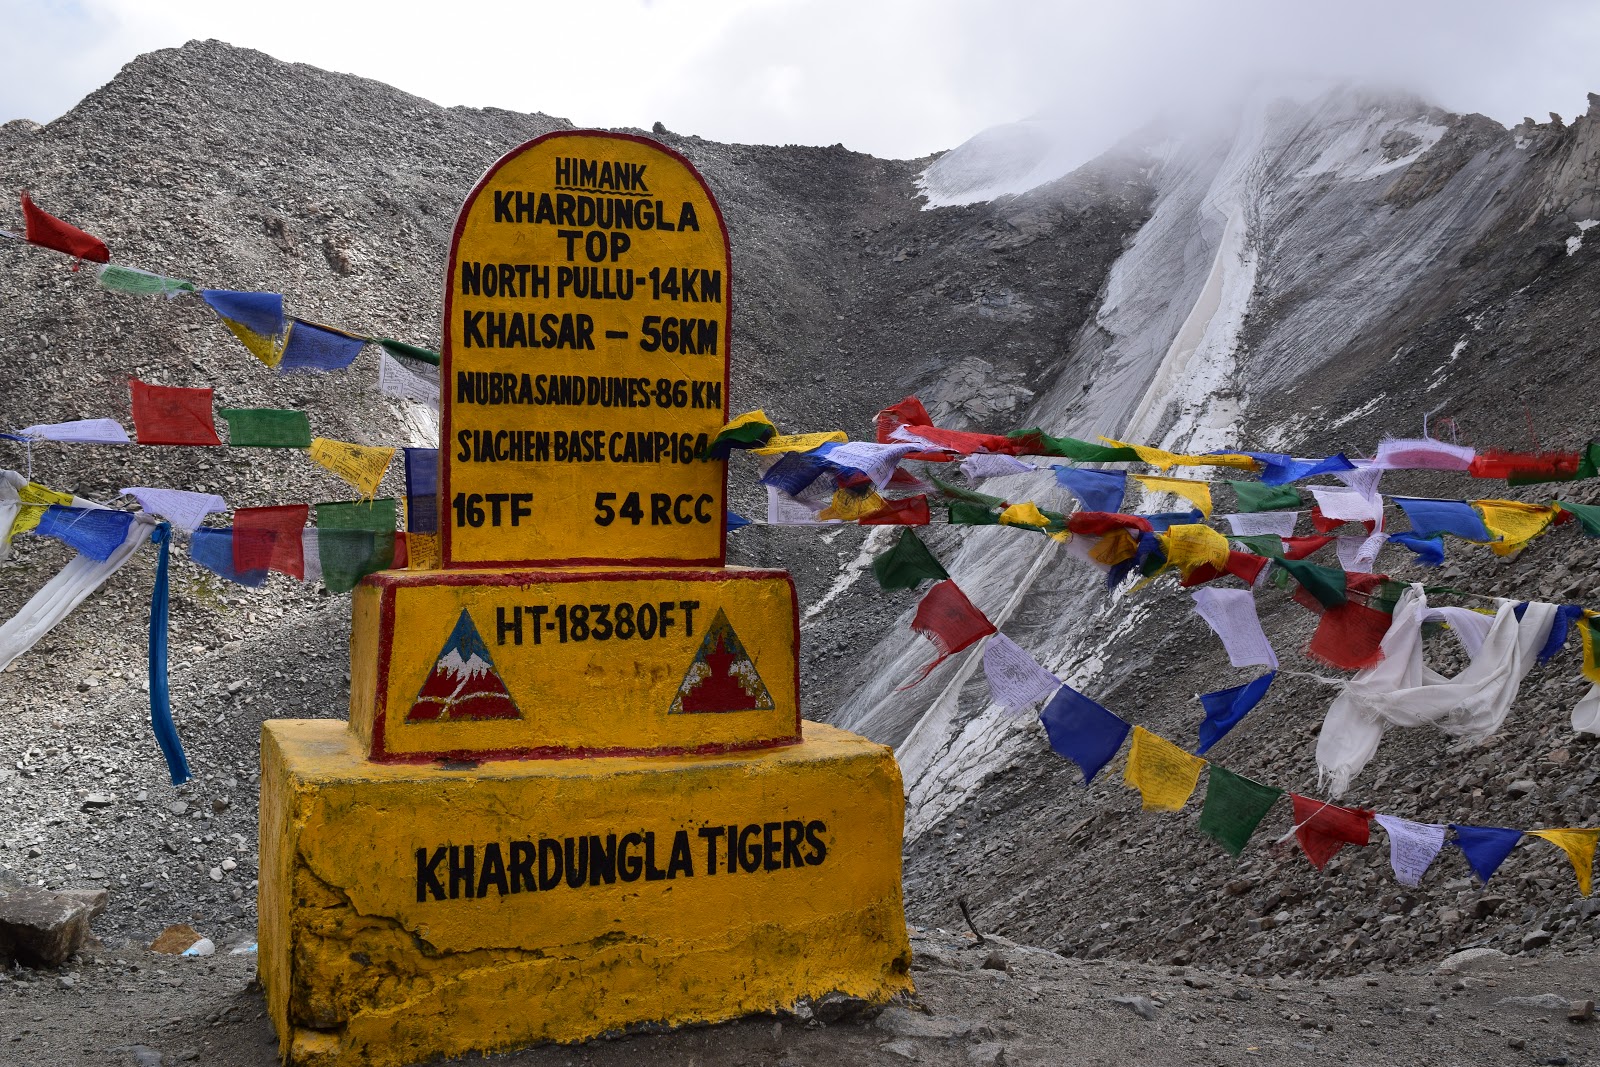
1312	275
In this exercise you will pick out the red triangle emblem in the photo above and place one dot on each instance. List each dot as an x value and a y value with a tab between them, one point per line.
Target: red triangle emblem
722	676
463	685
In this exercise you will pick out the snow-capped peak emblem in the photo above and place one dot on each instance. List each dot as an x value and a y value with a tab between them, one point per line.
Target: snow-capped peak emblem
463	685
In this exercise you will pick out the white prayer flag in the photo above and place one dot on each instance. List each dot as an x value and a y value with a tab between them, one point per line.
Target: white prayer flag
80	432
872	459
988	465
1423	454
785	510
185	510
1232	614
1348	505
397	380
1250	523
1016	681
1364	479
311	549
1412	847
1358	553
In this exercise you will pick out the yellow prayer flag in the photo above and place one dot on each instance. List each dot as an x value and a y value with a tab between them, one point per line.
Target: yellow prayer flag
1114	548
1161	459
799	442
1197	493
1191	545
758	417
363	466
35	498
1591	670
267	349
1025	514
1579	847
1164	774
851	506
422	552
1514	522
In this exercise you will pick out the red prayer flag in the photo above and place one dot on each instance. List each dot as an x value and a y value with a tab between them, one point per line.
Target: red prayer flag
47	231
1350	636
402	552
1525	466
1322	524
1323	828
907	511
1100	523
1242	565
166	415
947	618
270	538
909	412
967	443
1301	547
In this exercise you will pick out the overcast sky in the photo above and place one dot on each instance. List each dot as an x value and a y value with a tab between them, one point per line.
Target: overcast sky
892	77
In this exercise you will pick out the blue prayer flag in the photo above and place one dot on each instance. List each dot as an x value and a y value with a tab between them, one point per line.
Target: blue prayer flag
794	471
1226	707
1429	550
1560	626
1082	731
313	348
212	548
96	532
1163	519
260	313
422	490
1430	518
1096	490
1281	469
161	723
1486	847
736	521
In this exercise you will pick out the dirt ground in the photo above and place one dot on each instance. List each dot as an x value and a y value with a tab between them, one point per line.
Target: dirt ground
998	1003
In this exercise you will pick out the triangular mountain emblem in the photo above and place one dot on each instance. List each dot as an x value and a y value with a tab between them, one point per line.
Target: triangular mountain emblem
722	677
463	685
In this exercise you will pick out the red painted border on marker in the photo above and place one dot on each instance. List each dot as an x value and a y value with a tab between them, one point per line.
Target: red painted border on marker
389	581
446	353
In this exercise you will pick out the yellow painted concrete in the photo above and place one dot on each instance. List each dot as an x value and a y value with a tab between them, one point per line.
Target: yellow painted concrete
584	695
358	970
667	388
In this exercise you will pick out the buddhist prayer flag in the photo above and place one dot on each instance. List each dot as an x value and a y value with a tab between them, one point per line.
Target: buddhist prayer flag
408	380
311	347
877	461
1588	516
1259	496
1513	523
1429	550
1252	524
1231	613
269	538
947	618
793	473
362	466
1349	636
736	521
1423	454
1026	514
354	539
212	548
256	319
141	283
850	505
33	499
1197	493
963	513
1526	468
907	564
905	511
422	490
184	510
1486	847
988	465
1281	469
1358	553
1164	774
1016	681
164	415
1189	546
1326	584
1161	459
1095	490
79	432
95	532
800	442
1234	807
1323	828
1082	731
405	351
1344	504
47	231
1035	442
1412	847
1226	707
1578	844
750	430
267	428
1430	518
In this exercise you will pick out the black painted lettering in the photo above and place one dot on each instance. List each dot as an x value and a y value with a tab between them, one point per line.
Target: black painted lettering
428	875
462	868
680	862
522	856
494	871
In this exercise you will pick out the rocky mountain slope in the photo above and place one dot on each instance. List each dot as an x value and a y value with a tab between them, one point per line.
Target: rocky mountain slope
1309	275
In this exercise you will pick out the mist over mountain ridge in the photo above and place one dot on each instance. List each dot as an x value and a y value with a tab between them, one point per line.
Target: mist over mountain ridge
1313	275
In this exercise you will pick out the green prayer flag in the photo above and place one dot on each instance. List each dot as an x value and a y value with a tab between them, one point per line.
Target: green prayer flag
1269	545
955	492
1588	516
963	513
1386	596
907	563
267	428
354	539
141	282
1327	584
1234	807
1589	465
401	349
1255	496
1039	443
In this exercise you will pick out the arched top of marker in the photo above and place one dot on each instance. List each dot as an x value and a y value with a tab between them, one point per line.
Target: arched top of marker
588	322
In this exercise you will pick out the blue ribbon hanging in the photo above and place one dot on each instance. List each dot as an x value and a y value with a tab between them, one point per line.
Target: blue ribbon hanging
160	703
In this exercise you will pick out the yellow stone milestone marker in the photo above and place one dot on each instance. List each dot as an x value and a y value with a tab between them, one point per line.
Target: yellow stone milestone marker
575	795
